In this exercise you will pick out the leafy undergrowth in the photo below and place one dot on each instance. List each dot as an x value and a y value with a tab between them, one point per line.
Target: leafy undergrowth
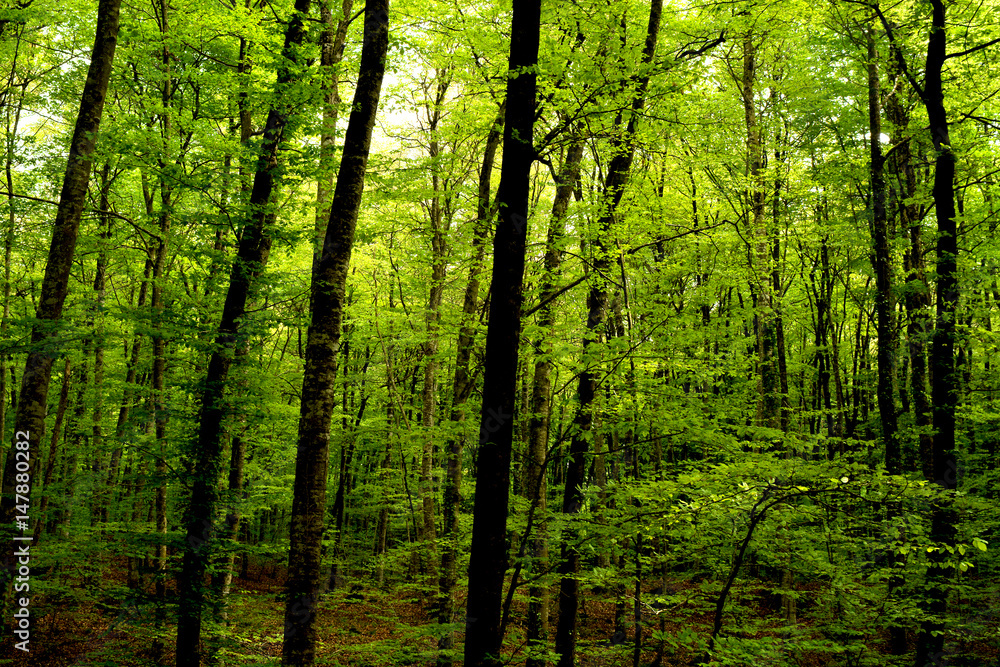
364	626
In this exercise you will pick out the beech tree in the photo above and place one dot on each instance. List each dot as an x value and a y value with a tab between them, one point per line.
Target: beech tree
488	555
29	419
719	283
327	306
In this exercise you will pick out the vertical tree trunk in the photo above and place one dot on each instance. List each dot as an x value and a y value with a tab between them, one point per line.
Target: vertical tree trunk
32	401
882	264
462	387
917	293
329	283
159	371
619	169
488	559
944	389
538	426
8	246
100	498
254	250
768	405
331	44
438	224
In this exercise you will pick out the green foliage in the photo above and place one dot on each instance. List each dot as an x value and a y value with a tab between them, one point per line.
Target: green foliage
684	471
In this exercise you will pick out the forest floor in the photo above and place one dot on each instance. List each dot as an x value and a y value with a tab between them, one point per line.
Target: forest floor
364	626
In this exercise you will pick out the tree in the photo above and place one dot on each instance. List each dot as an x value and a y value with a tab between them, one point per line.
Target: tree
488	555
32	400
327	307
254	250
619	170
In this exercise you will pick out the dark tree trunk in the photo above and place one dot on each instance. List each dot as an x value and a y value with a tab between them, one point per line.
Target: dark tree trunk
331	44
254	249
101	494
619	169
538	425
438	224
488	560
882	264
765	324
32	401
462	387
944	388
917	293
329	282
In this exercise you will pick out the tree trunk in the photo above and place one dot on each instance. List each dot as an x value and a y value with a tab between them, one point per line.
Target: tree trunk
331	44
329	283
254	250
619	169
882	265
768	404
944	388
488	558
32	401
8	246
438	228
461	390
538	426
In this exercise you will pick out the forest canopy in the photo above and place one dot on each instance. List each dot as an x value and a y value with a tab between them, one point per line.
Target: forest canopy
536	333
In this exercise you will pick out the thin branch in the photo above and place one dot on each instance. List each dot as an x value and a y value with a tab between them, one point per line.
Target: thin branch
973	49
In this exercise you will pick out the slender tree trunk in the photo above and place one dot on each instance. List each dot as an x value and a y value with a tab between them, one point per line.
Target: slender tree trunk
32	401
462	388
13	121
331	44
438	229
345	483
101	498
254	250
159	340
488	558
882	264
332	41
768	405
944	389
329	283
619	170
538	426
917	292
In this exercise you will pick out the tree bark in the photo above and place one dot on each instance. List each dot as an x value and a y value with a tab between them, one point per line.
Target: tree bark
488	559
462	387
882	264
438	224
538	425
329	283
768	404
331	44
619	170
32	401
944	388
252	257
